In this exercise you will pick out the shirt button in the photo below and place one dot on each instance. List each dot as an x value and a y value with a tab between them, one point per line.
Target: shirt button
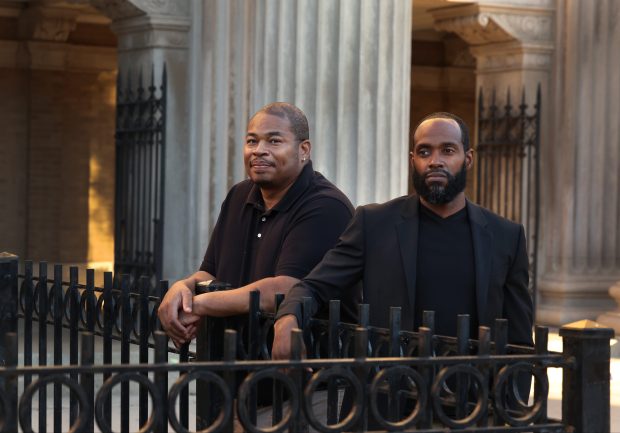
258	235
263	219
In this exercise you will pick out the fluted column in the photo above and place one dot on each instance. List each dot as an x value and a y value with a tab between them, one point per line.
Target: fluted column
584	212
346	63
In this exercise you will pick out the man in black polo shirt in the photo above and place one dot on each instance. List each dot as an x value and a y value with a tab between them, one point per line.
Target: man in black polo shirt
431	251
273	228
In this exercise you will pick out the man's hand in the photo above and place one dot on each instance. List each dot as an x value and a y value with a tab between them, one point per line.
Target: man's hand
179	298
191	321
281	348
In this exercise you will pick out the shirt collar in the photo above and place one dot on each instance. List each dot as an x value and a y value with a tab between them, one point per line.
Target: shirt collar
300	185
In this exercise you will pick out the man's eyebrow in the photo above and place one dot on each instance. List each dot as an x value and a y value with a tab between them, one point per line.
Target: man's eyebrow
444	143
268	133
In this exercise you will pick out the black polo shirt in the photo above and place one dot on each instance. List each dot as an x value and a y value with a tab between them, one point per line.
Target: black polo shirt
250	243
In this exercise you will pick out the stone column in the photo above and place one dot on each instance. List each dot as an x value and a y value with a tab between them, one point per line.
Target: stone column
587	242
151	34
346	63
579	245
582	208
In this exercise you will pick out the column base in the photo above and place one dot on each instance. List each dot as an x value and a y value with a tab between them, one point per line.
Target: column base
612	318
568	298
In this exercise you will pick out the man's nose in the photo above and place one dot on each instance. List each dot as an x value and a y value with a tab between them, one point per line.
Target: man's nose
260	148
436	160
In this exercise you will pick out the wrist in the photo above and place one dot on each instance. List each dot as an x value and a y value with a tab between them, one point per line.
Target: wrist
199	304
286	322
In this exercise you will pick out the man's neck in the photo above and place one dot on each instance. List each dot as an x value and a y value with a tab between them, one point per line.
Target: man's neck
272	197
447	209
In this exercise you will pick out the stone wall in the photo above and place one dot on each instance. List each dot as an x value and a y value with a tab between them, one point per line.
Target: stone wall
57	104
70	133
13	160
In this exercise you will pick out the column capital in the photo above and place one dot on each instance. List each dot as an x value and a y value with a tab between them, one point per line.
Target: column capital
503	37
481	24
147	32
512	55
147	24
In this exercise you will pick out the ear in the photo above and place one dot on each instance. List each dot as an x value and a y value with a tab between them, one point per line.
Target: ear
469	158
411	158
304	149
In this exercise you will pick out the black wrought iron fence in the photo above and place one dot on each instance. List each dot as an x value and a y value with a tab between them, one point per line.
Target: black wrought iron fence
392	379
139	197
59	311
508	165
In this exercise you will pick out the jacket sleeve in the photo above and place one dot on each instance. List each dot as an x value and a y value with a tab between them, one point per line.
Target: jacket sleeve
334	277
518	307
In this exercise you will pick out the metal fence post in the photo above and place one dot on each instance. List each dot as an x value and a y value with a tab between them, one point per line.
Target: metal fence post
8	294
585	386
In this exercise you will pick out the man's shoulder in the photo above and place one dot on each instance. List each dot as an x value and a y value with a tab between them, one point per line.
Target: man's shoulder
493	219
396	205
323	189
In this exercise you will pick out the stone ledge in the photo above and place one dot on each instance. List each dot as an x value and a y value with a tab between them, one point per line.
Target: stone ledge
480	24
152	32
56	56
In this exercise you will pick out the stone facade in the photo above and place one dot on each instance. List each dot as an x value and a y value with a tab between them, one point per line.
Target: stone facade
345	63
57	83
222	67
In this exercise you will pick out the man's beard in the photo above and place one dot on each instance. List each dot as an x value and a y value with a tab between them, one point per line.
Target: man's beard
436	193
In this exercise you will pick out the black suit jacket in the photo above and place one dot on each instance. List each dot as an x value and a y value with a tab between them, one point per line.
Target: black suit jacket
380	247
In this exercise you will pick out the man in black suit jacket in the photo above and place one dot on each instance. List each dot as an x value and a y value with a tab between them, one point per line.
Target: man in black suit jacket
435	251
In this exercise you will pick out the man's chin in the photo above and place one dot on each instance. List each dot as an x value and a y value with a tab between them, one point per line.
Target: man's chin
260	180
436	185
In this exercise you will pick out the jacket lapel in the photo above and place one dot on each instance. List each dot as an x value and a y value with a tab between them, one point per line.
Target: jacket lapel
482	240
407	231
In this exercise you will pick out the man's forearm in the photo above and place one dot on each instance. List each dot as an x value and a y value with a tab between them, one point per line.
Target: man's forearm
236	301
196	278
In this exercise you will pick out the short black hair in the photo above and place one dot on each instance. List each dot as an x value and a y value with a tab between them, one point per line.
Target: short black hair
296	117
444	115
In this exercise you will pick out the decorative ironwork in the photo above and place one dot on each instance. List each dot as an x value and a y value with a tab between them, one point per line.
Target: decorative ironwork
508	167
300	393
139	200
112	313
430	383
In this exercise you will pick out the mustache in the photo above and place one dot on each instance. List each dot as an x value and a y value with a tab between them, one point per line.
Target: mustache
442	171
260	161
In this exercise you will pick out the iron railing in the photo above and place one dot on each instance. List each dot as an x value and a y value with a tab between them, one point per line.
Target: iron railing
139	198
430	383
113	313
508	166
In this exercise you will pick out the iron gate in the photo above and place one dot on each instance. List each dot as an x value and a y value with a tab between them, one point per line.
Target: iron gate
139	200
508	166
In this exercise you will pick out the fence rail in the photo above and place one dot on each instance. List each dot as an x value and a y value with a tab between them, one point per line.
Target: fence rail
385	379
